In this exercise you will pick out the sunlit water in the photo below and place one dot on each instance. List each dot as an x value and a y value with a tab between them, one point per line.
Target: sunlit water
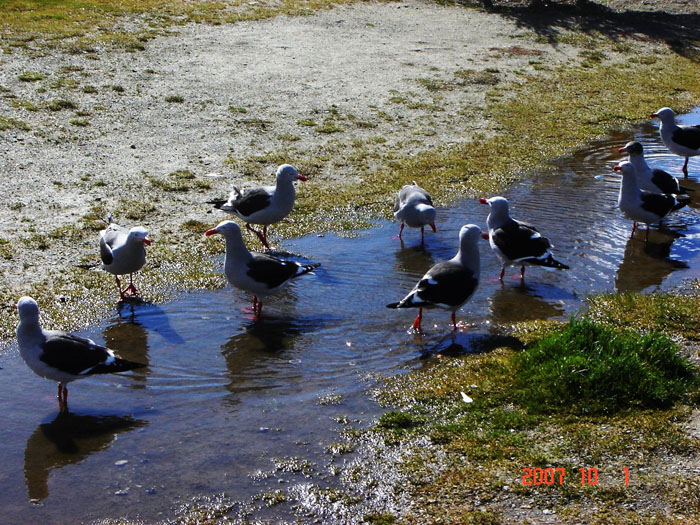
242	407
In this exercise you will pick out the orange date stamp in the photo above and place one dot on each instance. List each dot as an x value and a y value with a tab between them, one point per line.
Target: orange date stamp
552	476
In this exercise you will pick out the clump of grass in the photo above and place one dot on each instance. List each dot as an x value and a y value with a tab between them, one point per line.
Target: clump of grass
60	104
471	76
10	123
180	181
24	104
591	368
194	226
31	77
81	123
397	420
89	89
668	313
5	249
177	99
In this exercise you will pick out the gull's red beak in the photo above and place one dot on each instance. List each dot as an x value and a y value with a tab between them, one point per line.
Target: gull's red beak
211	232
653	115
621	150
147	241
301	177
483	201
617	168
485	236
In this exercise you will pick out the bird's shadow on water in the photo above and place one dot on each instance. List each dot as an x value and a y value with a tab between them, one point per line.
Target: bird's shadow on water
273	334
462	342
646	263
528	301
150	316
681	32
68	439
260	341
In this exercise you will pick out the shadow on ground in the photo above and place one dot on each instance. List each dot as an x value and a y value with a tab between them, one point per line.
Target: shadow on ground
680	31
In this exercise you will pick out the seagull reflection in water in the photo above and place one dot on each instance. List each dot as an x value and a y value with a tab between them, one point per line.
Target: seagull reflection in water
67	440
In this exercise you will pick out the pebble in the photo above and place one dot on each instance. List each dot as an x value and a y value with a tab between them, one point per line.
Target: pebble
121	462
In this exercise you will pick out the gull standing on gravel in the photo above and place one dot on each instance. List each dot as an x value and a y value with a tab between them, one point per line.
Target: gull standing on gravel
656	180
122	251
266	204
448	284
681	140
414	207
256	273
644	206
516	242
61	356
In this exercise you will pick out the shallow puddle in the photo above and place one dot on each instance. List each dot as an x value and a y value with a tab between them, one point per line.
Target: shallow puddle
228	405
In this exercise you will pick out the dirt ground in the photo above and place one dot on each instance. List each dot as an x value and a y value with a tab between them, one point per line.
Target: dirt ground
206	98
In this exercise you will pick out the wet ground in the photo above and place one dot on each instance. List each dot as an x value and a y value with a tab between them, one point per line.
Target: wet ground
242	407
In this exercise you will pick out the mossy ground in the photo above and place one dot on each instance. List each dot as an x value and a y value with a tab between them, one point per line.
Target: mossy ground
474	467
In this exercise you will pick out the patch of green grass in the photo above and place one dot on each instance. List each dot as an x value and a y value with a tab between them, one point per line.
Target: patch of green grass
13	123
307	122
482	78
195	226
397	420
81	123
663	312
31	77
136	210
379	518
175	99
24	104
237	109
89	89
591	368
61	104
6	251
328	127
180	181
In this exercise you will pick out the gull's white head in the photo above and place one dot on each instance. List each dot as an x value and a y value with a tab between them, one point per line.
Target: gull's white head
664	114
28	310
139	234
288	173
225	228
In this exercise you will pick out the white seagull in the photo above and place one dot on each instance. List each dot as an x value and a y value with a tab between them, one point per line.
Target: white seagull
61	356
266	204
256	273
654	180
681	140
516	242
448	284
414	207
644	206
122	251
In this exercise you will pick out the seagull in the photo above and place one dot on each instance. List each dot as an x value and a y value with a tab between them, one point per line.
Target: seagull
681	140
256	273
656	180
644	206
122	251
61	356
266	204
448	284
414	207
516	242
